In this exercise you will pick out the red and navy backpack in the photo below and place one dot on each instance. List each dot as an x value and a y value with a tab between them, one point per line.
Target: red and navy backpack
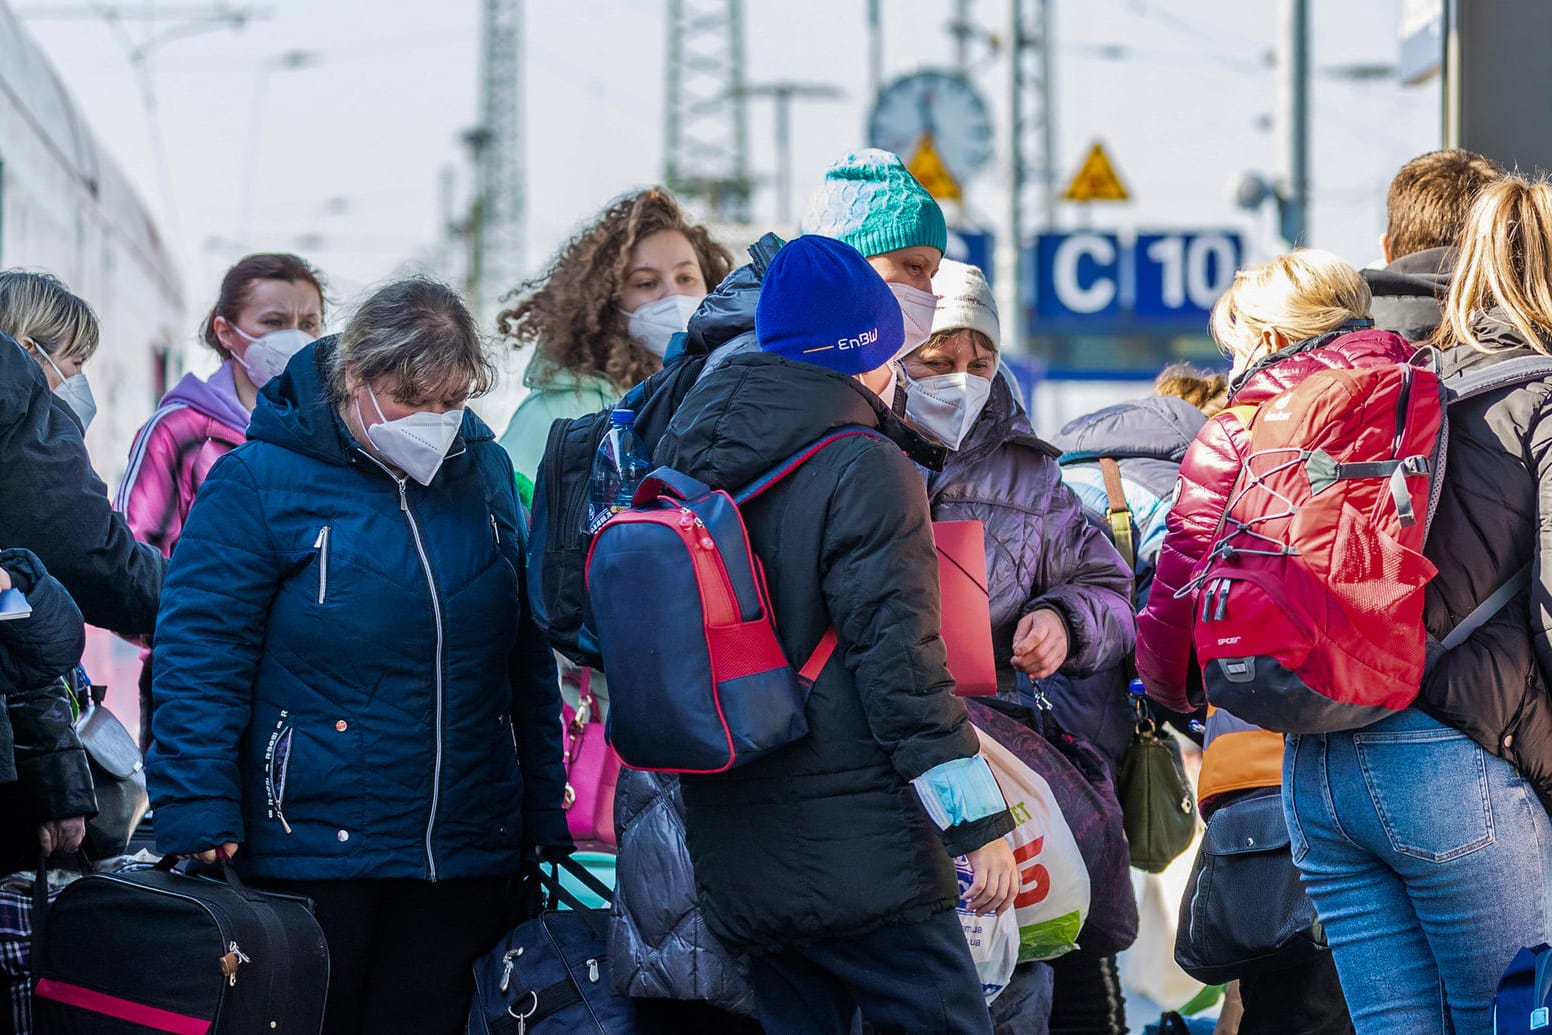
698	682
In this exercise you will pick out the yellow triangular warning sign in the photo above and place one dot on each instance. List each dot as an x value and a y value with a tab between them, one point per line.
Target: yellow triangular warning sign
928	168
1097	179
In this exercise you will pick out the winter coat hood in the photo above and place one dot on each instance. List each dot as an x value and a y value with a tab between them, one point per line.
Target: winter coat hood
1408	293
1156	427
216	398
295	411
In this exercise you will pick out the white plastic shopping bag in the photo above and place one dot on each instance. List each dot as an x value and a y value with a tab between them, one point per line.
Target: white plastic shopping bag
1053	898
993	939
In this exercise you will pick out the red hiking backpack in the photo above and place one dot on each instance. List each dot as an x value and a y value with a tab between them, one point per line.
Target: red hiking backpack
1308	608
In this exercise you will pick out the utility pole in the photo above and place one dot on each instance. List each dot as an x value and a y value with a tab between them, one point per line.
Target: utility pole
875	47
961	29
782	94
501	209
1293	15
1031	153
706	124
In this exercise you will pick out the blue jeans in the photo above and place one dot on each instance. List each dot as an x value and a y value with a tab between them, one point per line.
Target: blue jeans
1430	863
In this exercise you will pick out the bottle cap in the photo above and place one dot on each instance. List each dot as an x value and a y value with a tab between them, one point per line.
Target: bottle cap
1136	689
622	416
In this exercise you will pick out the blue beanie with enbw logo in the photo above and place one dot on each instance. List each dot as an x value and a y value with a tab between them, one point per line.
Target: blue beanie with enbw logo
821	303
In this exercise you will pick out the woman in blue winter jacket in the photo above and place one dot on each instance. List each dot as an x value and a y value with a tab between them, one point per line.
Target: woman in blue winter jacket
350	692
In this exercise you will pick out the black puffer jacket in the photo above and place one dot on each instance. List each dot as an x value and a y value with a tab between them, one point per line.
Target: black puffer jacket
826	838
64	515
41	758
659	947
1494	518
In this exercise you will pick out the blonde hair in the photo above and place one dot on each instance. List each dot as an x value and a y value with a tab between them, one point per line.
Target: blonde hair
39	308
1505	262
1299	295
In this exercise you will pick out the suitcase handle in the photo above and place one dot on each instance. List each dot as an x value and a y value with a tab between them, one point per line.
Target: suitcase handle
169	864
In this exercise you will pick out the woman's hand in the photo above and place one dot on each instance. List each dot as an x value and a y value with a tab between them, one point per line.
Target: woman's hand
60	835
1040	643
996	878
226	851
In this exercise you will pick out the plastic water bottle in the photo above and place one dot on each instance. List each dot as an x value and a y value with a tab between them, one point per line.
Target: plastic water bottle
618	468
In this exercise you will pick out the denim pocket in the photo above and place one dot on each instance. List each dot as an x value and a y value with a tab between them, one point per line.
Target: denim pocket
1411	774
1296	840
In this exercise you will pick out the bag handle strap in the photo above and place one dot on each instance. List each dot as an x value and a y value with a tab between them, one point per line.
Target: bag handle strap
1119	515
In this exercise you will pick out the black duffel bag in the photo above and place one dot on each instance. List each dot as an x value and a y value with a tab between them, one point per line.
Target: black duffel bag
1244	910
551	973
159	950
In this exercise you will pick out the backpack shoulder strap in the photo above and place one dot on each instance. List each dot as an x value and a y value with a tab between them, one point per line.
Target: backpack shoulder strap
1508	374
1119	515
816	662
776	474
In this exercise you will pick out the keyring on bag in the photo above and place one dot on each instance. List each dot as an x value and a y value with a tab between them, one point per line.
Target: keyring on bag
528	1012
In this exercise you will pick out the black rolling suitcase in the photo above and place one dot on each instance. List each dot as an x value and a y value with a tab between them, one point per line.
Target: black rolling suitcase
156	950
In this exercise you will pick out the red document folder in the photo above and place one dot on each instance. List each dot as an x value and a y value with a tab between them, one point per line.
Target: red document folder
967	616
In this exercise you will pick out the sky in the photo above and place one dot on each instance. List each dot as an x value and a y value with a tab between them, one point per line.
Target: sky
345	158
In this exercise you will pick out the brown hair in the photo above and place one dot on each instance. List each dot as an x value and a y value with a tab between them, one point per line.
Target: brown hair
1505	265
238	283
418	334
569	312
1207	390
1431	196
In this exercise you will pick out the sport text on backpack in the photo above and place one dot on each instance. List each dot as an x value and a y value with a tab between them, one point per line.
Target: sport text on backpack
1308	608
698	682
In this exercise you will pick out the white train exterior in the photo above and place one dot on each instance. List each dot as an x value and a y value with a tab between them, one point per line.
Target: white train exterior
66	207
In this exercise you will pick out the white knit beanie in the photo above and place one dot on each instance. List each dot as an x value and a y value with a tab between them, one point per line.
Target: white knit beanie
964	302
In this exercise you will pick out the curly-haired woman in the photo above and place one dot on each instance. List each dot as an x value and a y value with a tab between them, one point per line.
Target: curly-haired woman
601	317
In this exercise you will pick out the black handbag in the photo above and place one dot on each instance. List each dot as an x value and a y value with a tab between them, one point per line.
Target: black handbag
1156	799
1244	910
158	950
551	974
118	774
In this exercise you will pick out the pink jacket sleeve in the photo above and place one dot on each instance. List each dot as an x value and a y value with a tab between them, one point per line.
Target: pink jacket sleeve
150	496
1207	477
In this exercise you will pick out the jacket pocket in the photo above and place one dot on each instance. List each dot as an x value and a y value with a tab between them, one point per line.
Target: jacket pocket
277	767
321	544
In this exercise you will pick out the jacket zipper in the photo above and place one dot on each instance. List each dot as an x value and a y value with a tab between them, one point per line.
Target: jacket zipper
436	615
321	544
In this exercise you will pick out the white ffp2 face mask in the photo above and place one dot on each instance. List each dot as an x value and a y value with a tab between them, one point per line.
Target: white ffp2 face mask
74	391
917	306
946	406
654	324
268	354
416	443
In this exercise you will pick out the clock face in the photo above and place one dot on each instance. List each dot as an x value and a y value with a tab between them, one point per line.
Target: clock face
943	104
